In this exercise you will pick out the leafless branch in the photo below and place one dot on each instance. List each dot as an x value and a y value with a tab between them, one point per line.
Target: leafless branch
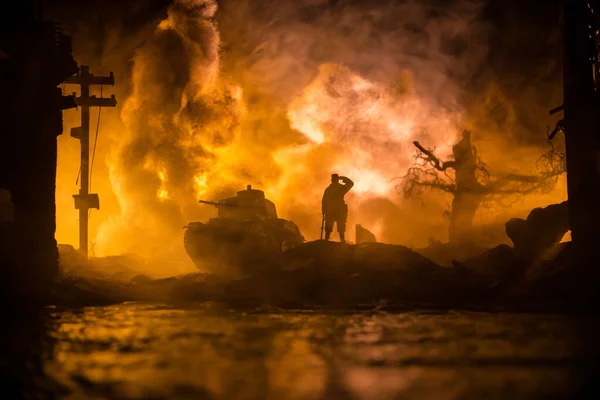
425	174
432	159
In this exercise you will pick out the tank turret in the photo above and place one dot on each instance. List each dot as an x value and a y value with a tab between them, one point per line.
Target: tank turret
246	231
249	203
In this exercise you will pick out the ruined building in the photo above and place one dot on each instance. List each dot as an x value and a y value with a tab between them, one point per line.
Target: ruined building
581	27
35	57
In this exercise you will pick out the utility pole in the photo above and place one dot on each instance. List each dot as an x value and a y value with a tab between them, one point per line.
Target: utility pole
84	201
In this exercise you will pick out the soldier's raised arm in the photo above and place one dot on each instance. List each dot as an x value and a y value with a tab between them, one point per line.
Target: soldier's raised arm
348	184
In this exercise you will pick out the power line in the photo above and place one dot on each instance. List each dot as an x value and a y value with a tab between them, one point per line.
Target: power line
95	140
94	151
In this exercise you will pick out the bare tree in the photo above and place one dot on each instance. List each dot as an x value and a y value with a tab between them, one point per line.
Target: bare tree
471	183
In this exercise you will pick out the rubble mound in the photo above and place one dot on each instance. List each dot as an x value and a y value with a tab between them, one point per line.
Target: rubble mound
498	265
335	275
121	268
341	275
543	228
447	253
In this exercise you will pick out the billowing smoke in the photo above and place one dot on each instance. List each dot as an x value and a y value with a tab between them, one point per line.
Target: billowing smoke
359	82
178	116
280	94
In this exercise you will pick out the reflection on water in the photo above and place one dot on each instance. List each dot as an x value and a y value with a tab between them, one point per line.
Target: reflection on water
142	351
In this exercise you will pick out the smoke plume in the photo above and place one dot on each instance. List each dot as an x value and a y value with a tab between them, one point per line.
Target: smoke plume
280	94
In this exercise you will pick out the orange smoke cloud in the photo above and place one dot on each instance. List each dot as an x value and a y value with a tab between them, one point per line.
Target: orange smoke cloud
371	126
177	118
280	95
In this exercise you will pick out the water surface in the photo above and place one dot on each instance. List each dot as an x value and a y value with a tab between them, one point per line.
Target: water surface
149	351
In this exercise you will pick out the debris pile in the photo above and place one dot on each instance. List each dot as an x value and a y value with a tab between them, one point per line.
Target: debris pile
363	235
336	275
543	228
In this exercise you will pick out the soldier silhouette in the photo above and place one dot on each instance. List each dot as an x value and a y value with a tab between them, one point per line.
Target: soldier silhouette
333	206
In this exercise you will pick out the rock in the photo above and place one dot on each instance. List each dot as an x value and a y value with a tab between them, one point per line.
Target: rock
336	274
364	235
543	228
380	256
335	257
568	279
122	268
320	254
499	264
447	254
69	259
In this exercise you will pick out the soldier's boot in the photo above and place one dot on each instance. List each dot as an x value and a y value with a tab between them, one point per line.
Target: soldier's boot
327	235
342	237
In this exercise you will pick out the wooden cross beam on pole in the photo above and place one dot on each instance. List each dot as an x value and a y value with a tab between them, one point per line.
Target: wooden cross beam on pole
84	201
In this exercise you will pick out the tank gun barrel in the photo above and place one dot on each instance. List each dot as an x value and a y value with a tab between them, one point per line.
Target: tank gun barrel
214	203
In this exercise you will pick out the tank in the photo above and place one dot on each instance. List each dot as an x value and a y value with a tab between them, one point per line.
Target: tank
247	233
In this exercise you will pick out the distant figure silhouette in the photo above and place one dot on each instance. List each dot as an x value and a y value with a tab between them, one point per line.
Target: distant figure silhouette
334	207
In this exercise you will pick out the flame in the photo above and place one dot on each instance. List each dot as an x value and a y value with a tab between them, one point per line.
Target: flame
201	183
201	121
163	194
369	128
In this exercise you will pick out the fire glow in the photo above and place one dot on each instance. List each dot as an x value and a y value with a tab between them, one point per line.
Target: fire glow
198	126
370	127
